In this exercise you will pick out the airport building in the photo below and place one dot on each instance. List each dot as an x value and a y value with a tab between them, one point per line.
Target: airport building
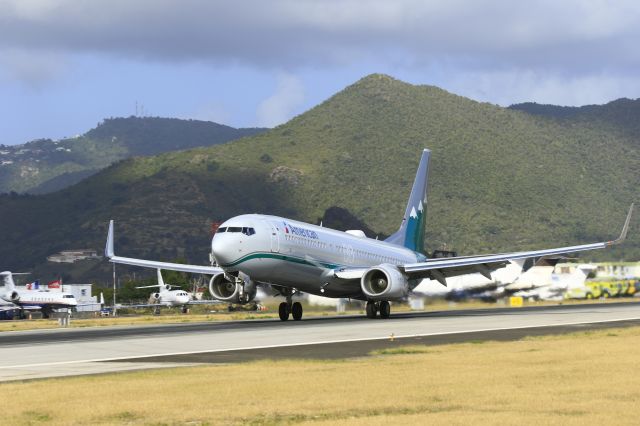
618	270
72	256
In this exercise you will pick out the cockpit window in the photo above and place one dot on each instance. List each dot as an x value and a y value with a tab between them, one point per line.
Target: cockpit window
245	230
221	230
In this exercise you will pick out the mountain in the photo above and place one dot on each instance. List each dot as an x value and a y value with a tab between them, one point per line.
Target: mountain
44	165
619	116
501	179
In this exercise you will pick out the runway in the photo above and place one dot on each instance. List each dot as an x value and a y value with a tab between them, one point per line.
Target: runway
38	354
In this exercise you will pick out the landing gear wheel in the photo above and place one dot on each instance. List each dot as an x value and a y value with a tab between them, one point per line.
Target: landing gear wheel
283	311
185	310
296	311
371	310
385	309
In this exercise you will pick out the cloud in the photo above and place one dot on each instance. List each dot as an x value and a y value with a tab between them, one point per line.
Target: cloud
33	69
280	106
514	86
572	35
498	50
212	111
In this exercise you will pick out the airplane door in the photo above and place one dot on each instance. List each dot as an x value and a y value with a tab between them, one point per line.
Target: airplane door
275	241
349	254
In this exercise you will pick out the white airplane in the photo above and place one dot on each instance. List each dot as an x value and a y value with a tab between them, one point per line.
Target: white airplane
553	285
167	296
473	285
293	256
33	300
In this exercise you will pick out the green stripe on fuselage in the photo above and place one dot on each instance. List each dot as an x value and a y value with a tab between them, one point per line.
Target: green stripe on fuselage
278	256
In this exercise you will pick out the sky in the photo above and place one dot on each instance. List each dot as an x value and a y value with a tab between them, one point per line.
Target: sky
66	65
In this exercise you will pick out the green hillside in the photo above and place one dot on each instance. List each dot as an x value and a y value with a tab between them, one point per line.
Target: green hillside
45	166
621	116
500	180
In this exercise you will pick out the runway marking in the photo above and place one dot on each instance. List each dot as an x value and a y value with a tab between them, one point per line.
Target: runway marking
247	348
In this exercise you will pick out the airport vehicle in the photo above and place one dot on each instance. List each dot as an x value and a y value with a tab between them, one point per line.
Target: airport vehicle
589	291
294	256
168	296
34	300
615	288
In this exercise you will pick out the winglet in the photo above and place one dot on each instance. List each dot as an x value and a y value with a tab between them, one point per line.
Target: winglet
625	228
108	249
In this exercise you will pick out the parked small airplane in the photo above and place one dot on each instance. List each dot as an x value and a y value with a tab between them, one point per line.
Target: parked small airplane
168	296
471	286
551	286
293	256
33	300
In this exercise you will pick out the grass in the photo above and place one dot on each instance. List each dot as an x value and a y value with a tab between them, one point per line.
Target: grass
571	379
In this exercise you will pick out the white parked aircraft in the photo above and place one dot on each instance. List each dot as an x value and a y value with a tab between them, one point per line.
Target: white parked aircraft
471	285
33	300
167	296
545	285
294	256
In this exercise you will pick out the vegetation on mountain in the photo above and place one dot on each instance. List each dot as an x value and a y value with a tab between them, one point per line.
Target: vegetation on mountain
501	180
45	166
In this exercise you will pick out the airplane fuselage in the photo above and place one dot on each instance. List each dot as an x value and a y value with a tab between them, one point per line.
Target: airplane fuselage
173	298
44	299
290	253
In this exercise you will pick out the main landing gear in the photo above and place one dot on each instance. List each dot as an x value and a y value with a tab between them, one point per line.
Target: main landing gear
373	308
286	308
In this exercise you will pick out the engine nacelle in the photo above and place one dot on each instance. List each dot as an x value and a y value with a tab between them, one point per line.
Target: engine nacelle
222	289
155	297
384	282
14	296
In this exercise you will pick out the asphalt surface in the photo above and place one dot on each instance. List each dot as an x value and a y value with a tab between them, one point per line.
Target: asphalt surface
366	347
62	352
119	332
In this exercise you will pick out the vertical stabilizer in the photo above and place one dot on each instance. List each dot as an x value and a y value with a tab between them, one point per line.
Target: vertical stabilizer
7	280
412	228
160	280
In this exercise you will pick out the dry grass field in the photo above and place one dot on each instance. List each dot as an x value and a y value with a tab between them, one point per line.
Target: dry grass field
577	379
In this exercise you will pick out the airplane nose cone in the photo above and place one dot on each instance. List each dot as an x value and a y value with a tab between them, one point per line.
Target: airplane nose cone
221	249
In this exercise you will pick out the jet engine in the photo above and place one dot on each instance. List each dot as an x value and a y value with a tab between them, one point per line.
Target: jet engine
384	282
155	297
223	289
14	296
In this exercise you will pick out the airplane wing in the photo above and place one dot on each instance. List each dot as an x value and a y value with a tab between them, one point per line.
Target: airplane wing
441	269
8	308
205	302
31	307
143	305
197	269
